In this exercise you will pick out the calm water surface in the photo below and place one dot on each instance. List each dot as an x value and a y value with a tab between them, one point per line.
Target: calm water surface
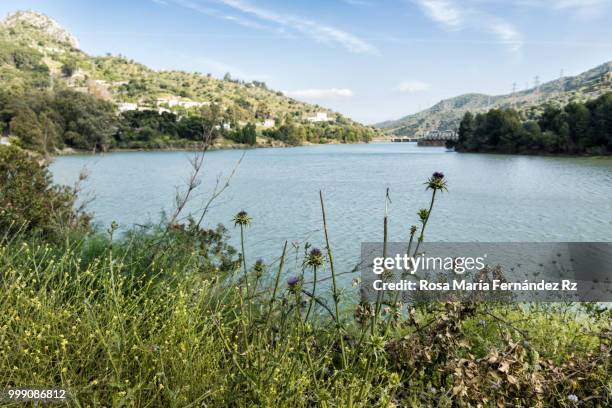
490	198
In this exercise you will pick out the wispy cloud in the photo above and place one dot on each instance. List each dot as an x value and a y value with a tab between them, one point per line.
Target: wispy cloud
319	32
412	86
283	23
583	9
320	93
443	12
453	16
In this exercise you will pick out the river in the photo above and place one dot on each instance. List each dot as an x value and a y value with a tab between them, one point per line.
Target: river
490	197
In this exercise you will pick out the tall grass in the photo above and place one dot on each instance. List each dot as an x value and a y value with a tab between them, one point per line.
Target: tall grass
168	319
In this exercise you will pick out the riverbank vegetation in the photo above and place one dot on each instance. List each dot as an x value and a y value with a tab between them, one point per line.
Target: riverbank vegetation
49	121
55	96
576	128
172	316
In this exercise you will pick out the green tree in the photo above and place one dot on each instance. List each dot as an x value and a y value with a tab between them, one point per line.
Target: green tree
249	134
27	128
29	202
578	119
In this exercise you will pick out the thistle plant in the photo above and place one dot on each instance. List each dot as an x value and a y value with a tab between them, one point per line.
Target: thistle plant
293	283
259	269
435	183
314	260
243	220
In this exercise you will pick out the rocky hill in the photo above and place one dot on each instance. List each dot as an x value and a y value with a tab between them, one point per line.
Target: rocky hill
447	113
35	51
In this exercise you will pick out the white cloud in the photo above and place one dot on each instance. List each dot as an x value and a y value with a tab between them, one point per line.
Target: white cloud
454	16
320	93
507	34
443	12
284	23
413	86
319	32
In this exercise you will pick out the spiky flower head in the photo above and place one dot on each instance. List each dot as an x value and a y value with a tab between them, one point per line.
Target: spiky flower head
423	214
436	181
242	218
413	229
294	283
314	258
260	267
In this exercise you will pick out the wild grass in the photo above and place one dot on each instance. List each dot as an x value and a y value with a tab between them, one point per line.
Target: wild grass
177	318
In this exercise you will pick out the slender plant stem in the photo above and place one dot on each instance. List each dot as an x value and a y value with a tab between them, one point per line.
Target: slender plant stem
396	299
314	291
276	282
385	240
334	285
246	275
422	235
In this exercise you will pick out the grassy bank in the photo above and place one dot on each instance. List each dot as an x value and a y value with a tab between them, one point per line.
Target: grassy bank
174	317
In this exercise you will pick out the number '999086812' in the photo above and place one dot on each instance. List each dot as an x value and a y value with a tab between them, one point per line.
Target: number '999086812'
33	394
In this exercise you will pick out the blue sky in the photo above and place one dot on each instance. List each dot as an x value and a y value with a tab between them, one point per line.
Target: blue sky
371	60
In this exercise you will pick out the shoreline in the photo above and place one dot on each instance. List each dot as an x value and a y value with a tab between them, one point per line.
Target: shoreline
234	146
542	154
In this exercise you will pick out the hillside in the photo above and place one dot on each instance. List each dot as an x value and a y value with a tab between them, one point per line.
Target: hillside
37	53
447	113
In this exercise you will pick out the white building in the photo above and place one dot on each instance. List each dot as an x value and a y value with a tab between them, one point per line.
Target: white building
127	106
172	102
319	117
4	141
226	126
268	123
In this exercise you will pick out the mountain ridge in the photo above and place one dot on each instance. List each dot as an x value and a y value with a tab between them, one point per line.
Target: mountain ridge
447	113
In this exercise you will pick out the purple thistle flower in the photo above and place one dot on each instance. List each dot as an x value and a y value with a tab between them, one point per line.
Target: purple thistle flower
436	181
314	258
482	322
315	252
293	280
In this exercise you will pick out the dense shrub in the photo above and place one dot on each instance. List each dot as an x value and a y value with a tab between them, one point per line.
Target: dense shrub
45	120
29	202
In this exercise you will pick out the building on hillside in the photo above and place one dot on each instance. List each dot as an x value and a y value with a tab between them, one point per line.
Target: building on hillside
268	123
319	117
226	126
127	106
172	102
